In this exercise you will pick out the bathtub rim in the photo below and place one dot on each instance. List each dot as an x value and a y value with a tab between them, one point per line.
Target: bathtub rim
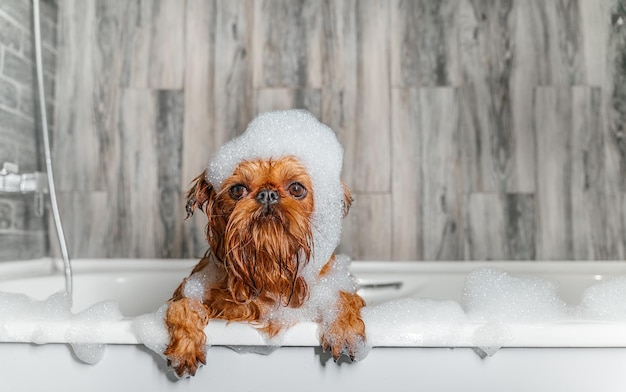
50	265
563	334
575	334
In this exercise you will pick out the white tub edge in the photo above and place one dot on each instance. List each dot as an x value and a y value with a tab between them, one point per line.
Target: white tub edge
220	333
582	334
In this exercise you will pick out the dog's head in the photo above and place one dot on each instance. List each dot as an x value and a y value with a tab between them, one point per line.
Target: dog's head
259	226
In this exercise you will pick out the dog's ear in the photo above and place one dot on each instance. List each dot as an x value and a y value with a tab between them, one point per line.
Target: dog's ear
199	194
347	199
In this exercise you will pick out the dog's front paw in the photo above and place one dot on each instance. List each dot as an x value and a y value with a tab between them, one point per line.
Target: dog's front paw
346	334
185	351
185	364
339	340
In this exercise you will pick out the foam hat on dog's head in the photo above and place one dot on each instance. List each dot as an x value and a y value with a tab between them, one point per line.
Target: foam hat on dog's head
295	133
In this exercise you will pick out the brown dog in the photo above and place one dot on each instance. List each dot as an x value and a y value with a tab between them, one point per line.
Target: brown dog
263	264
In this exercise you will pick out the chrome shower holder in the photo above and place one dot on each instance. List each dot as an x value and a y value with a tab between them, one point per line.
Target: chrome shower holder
11	181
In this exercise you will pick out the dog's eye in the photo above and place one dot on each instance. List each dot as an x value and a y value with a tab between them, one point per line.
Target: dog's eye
297	190
237	191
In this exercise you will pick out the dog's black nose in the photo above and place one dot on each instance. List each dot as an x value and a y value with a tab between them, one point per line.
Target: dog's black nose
267	197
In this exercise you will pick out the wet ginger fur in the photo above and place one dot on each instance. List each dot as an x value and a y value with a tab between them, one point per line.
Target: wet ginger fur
259	235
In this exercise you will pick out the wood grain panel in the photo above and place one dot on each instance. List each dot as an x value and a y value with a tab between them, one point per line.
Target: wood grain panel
551	28
372	171
486	65
199	132
199	89
596	220
137	216
500	226
553	117
442	187
136	43
234	94
287	39
595	36
615	95
87	97
563	53
339	97
90	224
498	137
167	48
218	82
339	78
364	79
153	42
141	214
283	98
407	175
367	229
168	133
423	43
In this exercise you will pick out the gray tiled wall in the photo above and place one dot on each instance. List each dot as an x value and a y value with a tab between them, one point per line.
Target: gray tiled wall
23	233
473	129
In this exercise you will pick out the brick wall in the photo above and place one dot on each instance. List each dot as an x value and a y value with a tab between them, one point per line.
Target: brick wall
22	231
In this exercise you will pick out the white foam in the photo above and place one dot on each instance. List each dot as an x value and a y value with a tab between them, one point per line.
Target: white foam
420	321
496	296
491	337
84	327
491	297
19	307
15	306
196	284
150	330
89	325
605	300
90	353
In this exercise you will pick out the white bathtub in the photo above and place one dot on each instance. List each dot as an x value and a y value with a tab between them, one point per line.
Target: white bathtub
578	355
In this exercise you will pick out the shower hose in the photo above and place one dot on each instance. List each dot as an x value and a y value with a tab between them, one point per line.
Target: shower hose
67	266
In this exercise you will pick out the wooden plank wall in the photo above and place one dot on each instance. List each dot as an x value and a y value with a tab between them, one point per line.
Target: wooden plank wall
473	129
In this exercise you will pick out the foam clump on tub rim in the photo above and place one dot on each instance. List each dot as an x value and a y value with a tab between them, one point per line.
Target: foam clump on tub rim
92	321
20	307
492	295
420	321
17	306
498	299
82	328
151	331
606	300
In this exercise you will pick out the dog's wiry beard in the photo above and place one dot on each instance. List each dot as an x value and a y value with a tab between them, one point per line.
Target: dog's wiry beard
264	250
